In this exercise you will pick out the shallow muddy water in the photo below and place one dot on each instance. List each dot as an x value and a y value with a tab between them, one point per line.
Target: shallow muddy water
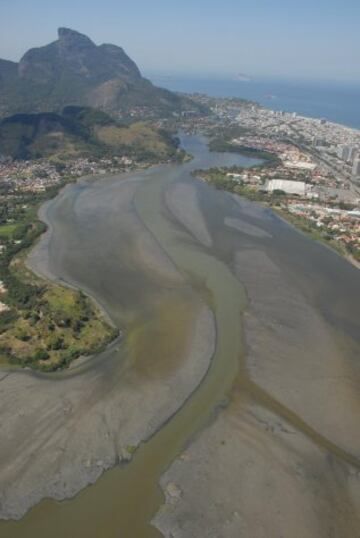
156	306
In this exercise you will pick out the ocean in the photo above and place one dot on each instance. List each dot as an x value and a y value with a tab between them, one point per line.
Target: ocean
335	101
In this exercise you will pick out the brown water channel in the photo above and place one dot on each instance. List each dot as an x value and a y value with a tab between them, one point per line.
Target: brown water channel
124	499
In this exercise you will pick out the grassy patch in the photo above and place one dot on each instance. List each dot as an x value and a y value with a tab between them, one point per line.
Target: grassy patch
46	326
138	140
62	325
7	230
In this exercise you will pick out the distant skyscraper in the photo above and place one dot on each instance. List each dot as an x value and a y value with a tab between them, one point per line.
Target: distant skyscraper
343	152
356	167
352	153
317	141
347	153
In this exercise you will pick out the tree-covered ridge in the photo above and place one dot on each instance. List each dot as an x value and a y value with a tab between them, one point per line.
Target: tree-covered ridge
81	131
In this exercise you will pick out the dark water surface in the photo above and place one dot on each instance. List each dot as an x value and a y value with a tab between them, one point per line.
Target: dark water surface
97	257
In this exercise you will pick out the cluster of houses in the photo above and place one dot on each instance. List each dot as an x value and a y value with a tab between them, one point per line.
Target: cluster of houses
288	153
343	224
297	173
302	182
39	175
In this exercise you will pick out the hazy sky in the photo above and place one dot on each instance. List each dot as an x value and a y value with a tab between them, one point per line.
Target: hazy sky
298	38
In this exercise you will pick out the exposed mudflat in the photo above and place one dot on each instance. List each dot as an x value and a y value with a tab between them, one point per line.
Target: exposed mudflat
246	228
252	474
241	331
59	436
283	459
182	200
61	431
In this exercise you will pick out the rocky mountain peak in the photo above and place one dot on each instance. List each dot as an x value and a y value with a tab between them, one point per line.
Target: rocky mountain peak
71	37
73	70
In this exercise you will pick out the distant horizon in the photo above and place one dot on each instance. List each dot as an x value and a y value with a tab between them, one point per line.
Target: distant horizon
284	38
336	101
229	75
171	72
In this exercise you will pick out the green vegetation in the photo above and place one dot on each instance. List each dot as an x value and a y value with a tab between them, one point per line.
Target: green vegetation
222	145
309	227
217	177
46	326
139	141
7	230
82	132
222	142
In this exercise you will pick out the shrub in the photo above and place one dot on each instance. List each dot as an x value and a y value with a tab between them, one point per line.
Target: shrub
40	355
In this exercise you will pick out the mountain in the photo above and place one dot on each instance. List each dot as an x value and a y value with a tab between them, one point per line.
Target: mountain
75	71
81	131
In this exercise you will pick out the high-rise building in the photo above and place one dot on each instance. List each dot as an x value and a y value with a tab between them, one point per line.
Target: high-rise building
356	167
343	152
317	142
352	153
347	153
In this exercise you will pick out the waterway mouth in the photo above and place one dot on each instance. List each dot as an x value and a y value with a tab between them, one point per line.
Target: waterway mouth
159	301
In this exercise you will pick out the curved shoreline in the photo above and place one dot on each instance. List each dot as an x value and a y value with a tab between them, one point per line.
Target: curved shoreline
344	255
43	242
21	507
160	407
293	368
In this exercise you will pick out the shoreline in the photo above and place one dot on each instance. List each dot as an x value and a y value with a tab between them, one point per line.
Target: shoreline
249	267
268	106
46	276
283	216
72	392
88	472
290	220
51	277
309	462
49	282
